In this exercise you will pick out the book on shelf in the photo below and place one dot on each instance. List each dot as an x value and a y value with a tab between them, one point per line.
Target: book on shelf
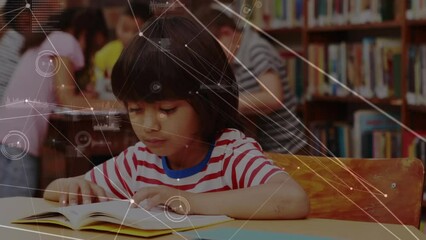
371	68
416	9
294	70
368	122
340	12
331	139
275	14
120	217
416	93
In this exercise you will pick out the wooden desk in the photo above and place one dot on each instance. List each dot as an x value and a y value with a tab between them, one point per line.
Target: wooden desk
14	208
76	138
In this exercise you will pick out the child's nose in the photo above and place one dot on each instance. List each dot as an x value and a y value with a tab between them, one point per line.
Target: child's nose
151	122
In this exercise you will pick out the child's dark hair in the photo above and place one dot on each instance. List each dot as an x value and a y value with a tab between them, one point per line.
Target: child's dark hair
176	59
139	9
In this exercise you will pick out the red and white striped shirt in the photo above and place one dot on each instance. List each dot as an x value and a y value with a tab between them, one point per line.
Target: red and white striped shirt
236	161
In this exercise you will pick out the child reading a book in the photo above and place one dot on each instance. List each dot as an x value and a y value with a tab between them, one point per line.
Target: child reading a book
182	100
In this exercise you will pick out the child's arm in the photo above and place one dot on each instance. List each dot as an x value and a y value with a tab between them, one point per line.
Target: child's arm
265	101
72	191
280	198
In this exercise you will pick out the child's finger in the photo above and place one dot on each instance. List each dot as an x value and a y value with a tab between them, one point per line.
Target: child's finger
85	193
153	202
63	199
141	195
100	193
73	194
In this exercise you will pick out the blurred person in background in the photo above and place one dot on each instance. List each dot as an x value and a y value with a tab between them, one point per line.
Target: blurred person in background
129	23
43	79
262	81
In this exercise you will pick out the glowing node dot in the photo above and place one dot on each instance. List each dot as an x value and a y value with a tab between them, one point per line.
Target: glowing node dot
196	92
351	188
298	168
186	45
385	195
26	100
91	109
132	201
140	34
27	5
63	85
178	179
180	206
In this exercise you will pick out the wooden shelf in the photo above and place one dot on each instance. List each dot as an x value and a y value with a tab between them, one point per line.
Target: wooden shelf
417	108
352	27
283	30
352	99
418	22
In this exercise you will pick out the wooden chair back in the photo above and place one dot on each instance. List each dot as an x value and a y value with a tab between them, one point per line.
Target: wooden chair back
383	190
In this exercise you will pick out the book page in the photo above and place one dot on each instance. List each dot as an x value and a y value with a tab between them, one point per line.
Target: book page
121	213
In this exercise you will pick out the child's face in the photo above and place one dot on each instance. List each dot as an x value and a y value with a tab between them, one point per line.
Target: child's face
127	28
167	128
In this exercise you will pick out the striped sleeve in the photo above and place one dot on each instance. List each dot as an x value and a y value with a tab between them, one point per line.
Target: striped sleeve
116	175
247	166
263	60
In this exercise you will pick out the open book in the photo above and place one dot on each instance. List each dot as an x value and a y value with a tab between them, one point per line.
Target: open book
120	217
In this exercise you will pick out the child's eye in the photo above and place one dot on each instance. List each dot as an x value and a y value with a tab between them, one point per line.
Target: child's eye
168	110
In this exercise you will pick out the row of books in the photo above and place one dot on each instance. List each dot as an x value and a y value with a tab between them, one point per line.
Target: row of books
331	139
416	9
294	70
373	135
274	14
416	93
371	68
340	12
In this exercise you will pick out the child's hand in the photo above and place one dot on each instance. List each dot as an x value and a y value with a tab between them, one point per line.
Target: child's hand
177	200
79	191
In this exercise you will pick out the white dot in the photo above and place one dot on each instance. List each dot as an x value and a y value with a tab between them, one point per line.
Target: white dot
140	34
177	179
351	188
91	108
26	100
132	201
186	45
180	206
385	195
298	168
63	85
27	5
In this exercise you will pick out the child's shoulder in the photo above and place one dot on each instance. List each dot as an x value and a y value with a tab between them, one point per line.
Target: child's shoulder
234	138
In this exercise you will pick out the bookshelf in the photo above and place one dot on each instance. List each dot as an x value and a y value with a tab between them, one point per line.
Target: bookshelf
391	28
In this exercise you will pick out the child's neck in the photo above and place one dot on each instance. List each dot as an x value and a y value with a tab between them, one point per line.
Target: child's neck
189	157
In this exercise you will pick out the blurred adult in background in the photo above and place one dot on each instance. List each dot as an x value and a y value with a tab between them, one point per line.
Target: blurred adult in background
130	21
16	19
262	81
17	22
43	79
